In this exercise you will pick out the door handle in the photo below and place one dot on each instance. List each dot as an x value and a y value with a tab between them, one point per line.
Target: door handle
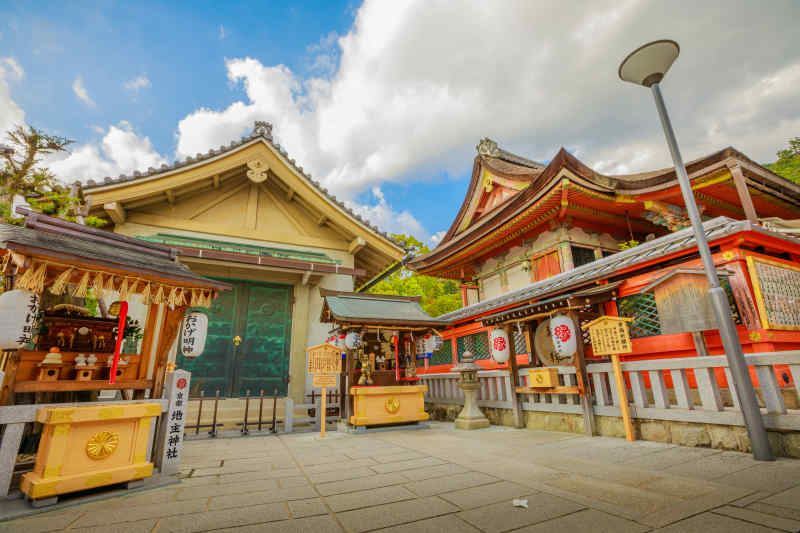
237	340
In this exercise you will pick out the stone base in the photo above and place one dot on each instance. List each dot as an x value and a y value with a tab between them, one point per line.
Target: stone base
472	423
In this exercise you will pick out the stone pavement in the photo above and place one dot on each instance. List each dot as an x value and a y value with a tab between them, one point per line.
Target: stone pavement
443	480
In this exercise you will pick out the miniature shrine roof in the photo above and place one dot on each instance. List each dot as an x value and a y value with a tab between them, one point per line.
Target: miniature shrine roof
57	239
606	267
531	194
375	309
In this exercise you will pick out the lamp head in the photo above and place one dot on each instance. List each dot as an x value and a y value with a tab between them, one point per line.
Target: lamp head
649	63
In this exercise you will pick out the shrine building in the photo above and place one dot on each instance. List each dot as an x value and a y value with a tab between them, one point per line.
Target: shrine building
531	237
248	215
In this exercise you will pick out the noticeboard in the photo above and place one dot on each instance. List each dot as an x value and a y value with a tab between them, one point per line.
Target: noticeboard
325	381
777	289
324	359
610	335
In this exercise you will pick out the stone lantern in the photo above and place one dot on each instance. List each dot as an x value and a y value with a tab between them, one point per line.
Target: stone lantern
470	416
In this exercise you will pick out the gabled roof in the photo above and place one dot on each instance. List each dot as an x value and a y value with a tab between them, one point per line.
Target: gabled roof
262	133
375	309
539	201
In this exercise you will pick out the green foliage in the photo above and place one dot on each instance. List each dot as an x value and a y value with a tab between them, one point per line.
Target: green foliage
90	303
626	245
788	163
132	329
439	296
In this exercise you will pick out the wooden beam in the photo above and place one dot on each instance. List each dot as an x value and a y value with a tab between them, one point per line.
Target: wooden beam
251	215
290	195
170	196
283	209
216	201
583	379
115	212
356	245
744	194
215	181
322	220
306	277
67	385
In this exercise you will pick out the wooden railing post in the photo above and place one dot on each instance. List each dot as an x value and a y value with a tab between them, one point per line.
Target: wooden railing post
514	377
288	416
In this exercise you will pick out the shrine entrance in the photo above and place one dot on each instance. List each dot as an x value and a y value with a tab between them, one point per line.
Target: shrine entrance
248	344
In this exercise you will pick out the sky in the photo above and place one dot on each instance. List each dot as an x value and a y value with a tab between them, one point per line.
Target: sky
384	102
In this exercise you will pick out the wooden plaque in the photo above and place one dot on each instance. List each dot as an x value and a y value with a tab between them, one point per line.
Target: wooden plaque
610	335
777	289
324	359
325	380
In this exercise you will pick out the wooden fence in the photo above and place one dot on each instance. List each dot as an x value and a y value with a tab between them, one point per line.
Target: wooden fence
650	397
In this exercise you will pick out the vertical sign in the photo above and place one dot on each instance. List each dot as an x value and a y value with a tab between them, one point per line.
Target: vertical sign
324	363
171	430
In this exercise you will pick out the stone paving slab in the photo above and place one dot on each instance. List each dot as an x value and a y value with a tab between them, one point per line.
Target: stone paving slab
442	480
714	523
588	521
504	517
394	513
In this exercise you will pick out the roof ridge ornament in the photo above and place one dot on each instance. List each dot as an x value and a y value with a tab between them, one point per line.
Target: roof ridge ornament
257	170
262	128
488	147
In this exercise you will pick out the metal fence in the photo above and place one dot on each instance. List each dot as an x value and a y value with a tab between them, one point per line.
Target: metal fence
683	389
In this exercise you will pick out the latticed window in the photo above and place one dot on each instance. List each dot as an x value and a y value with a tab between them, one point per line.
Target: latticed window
444	355
520	346
642	308
477	343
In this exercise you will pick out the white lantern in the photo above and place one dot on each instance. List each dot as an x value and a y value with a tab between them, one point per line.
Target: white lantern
18	312
499	345
193	334
339	339
564	335
352	340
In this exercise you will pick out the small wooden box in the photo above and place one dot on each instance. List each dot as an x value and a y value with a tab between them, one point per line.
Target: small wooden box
49	372
543	377
85	373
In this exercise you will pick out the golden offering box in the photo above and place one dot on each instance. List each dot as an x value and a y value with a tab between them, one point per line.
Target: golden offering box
90	446
543	377
373	406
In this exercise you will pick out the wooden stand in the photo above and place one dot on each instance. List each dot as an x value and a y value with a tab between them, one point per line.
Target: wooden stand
49	372
622	390
85	373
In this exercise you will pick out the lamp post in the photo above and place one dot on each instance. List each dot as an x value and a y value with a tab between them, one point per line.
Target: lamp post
646	66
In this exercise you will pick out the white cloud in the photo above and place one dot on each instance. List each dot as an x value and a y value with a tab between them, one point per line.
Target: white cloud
397	94
382	215
11	114
139	82
120	151
436	238
81	92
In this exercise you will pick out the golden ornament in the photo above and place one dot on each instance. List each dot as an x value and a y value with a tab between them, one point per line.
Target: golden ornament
102	444
392	405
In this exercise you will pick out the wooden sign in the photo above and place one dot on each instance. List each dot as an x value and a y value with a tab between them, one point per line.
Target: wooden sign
610	335
777	289
324	359
325	380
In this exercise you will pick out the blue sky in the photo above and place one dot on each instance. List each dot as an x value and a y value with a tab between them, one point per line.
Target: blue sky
385	101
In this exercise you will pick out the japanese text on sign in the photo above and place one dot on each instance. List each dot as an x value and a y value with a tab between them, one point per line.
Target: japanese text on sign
325	380
31	312
610	335
324	359
178	389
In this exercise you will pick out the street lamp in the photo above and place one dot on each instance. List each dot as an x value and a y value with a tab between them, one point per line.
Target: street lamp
646	66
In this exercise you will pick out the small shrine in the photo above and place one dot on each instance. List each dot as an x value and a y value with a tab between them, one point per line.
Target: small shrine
383	340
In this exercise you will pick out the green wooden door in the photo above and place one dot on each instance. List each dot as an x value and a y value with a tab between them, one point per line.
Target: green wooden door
262	360
259	313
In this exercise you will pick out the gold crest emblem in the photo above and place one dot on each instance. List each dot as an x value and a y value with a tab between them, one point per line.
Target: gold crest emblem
392	405
102	444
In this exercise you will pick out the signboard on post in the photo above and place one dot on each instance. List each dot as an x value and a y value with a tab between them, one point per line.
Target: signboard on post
610	336
324	362
170	436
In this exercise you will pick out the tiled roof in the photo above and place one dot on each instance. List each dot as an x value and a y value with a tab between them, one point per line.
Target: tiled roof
261	131
605	267
378	309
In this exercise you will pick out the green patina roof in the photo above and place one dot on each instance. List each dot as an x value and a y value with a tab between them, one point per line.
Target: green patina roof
377	309
232	247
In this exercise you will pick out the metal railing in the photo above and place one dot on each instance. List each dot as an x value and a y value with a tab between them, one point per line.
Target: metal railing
686	389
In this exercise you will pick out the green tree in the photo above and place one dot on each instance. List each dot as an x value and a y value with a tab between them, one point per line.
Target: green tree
23	175
788	163
439	296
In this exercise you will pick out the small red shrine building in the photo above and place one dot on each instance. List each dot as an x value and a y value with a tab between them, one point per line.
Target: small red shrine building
529	233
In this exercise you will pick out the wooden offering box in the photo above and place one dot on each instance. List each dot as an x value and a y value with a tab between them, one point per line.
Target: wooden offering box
388	405
90	446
